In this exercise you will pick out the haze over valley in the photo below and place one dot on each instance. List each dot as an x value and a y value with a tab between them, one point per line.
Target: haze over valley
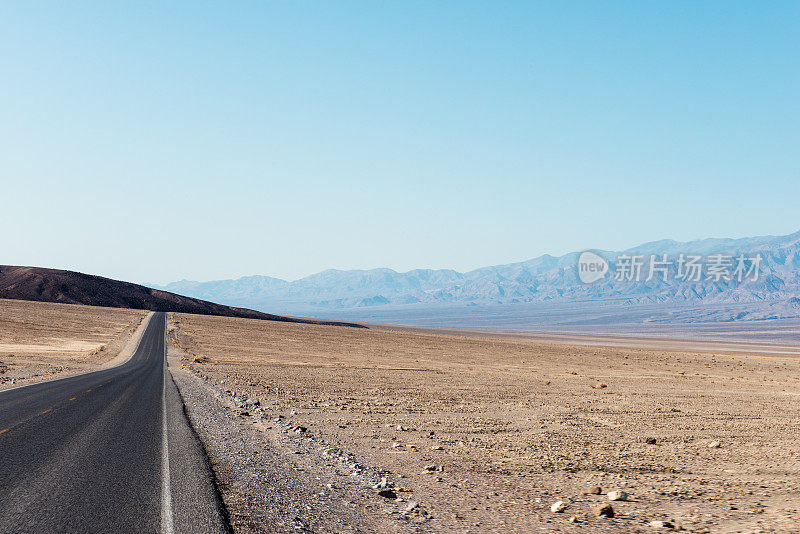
522	295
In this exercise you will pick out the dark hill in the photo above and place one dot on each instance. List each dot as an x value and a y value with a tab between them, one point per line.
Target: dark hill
69	287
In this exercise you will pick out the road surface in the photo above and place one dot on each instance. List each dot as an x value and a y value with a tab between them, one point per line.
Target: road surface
107	451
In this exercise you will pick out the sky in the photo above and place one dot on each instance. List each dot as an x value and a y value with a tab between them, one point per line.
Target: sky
158	141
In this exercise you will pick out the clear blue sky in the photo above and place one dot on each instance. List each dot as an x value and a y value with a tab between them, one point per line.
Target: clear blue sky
155	141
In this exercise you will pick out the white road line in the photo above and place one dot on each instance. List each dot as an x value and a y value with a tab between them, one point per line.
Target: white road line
167	520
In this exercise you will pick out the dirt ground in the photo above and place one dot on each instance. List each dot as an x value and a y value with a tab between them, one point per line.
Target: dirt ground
477	434
39	340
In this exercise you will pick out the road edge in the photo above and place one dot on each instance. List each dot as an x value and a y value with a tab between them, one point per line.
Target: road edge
131	346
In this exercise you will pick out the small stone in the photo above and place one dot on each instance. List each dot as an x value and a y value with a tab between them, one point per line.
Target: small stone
617	495
298	428
714	444
650	441
661	524
437	448
593	490
411	506
573	519
387	493
558	507
604	510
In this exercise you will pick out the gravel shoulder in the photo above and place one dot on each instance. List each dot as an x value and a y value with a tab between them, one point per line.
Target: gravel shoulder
273	478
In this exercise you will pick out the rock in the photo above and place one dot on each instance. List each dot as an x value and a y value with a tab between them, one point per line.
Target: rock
617	495
714	444
298	428
413	505
558	507
430	468
593	490
661	524
437	448
573	519
650	441
604	510
387	493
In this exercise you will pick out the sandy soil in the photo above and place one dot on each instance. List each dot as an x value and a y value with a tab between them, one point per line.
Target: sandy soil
485	434
41	341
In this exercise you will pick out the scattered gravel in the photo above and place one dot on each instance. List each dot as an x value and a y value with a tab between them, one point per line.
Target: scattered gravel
274	479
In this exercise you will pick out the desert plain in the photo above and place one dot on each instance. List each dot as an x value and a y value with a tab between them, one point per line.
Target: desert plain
482	433
40	340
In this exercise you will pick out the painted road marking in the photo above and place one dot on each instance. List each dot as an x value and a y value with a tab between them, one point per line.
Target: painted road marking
73	398
47	410
4	431
167	519
88	390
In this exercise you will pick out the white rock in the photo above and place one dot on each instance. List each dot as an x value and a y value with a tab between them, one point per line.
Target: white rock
660	524
617	495
558	507
714	444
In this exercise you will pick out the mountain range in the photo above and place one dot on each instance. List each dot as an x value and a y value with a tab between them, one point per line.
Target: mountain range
774	291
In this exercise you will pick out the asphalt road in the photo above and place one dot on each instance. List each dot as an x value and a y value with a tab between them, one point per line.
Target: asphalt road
107	451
